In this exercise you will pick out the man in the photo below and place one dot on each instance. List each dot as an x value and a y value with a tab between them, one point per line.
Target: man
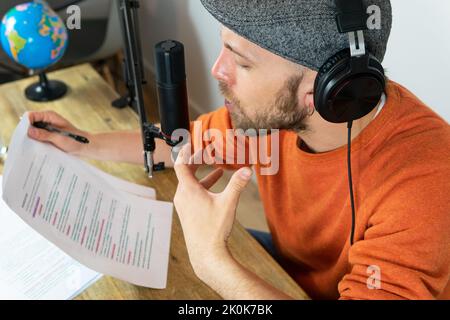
271	53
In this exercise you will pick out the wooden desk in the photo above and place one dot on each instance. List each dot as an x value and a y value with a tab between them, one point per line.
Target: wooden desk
87	105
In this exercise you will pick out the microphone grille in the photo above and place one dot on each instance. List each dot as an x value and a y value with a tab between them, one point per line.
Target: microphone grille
170	64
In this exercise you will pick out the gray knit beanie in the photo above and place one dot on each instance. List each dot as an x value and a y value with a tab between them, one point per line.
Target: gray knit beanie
302	31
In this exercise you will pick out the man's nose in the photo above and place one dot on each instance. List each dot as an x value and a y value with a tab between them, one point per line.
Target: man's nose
222	69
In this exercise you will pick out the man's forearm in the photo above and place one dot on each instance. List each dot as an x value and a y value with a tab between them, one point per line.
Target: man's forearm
232	281
124	146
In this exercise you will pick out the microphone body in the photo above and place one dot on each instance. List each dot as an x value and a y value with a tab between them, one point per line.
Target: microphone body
171	87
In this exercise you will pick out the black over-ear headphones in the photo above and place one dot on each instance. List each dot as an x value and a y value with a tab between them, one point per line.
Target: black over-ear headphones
351	83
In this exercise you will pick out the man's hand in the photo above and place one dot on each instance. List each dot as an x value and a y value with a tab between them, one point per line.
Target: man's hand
118	146
206	218
61	142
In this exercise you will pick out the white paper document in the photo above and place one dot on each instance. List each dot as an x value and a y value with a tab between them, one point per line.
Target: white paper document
109	225
32	268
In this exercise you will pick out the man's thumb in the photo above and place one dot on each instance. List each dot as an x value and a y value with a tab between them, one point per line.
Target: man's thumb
39	134
45	136
237	184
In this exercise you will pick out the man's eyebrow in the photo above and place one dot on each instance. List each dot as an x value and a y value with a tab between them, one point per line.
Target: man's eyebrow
229	47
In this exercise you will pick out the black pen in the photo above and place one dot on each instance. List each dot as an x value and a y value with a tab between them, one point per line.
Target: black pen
50	128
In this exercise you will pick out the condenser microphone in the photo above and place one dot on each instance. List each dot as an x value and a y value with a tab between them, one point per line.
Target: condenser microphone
171	87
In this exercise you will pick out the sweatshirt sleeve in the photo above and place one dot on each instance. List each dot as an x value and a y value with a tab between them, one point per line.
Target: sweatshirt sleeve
404	252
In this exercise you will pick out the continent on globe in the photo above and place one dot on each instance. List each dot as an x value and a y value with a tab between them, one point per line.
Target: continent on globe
52	25
16	42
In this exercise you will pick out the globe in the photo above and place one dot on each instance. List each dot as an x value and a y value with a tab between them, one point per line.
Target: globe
33	35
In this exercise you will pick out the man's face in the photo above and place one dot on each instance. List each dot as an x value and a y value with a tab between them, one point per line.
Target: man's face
262	90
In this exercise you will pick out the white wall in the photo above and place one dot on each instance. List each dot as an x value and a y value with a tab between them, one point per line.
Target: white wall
419	50
418	53
186	21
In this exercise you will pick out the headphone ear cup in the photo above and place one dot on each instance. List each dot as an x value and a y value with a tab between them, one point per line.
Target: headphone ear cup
346	88
331	62
325	75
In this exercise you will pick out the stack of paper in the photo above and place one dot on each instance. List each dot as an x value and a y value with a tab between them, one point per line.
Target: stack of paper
32	268
106	224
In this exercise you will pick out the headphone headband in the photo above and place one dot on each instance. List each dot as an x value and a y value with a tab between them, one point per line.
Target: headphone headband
351	15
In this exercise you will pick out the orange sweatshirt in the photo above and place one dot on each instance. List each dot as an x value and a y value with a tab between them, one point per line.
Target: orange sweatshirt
401	175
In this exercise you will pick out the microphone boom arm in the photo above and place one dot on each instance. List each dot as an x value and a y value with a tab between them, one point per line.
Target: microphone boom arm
135	79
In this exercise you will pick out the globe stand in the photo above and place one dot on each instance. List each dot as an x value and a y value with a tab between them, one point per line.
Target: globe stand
46	90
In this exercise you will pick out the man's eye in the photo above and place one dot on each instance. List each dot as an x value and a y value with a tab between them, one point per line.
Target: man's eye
243	66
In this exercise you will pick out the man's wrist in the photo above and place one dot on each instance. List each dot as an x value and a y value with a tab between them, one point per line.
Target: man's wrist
87	150
212	265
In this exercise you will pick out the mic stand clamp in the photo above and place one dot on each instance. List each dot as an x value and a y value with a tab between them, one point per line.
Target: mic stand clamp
151	133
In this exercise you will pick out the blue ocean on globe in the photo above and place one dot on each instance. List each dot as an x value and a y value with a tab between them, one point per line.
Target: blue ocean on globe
33	35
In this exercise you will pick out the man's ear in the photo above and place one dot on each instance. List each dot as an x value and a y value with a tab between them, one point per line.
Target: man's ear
309	101
308	90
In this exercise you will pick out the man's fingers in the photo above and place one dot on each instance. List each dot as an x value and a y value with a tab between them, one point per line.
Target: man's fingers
209	181
182	168
183	156
237	184
46	136
40	134
50	117
195	161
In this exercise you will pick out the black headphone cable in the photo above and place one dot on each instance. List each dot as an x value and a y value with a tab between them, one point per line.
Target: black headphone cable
350	180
